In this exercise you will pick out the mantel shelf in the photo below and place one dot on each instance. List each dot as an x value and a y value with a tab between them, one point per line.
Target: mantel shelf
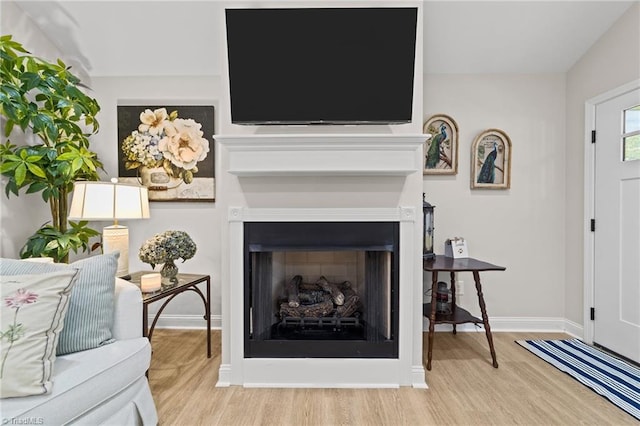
323	154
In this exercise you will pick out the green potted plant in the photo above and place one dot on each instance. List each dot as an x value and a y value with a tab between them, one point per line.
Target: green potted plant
47	100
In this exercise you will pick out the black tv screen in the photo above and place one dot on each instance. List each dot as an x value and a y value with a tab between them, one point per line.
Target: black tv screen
321	65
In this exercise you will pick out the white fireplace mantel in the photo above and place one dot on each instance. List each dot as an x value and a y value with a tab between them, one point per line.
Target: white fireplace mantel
405	370
323	154
397	156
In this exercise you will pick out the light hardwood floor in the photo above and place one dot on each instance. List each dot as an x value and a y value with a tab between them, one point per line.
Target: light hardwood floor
464	389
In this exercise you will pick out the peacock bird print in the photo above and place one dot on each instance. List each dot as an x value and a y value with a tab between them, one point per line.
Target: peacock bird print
434	152
488	171
491	160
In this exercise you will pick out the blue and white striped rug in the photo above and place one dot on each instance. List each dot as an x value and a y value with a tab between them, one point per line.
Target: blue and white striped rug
616	380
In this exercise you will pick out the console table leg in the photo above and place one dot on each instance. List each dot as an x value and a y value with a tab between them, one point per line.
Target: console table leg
432	316
207	310
485	317
452	279
145	321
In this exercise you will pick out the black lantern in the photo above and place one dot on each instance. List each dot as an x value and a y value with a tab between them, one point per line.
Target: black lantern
427	215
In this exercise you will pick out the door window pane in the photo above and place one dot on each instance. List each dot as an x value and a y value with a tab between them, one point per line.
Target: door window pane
632	119
631	136
632	148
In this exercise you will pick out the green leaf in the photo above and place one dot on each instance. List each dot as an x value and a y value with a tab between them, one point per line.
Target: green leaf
89	163
67	156
8	128
11	91
76	164
36	170
8	166
36	187
52	245
29	80
33	158
11	188
20	174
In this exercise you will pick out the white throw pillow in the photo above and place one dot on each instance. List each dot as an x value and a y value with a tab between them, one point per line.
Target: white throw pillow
33	311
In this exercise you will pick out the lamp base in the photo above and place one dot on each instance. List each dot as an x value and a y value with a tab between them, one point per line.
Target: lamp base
116	238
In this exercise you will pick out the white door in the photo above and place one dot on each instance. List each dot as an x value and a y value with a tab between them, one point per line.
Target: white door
617	225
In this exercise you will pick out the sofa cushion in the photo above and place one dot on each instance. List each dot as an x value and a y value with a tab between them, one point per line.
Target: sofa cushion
90	315
84	381
33	311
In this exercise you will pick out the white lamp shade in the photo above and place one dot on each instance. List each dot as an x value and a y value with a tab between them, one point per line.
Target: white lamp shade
109	200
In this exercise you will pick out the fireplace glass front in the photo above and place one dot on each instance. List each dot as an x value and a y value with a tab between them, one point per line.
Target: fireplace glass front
321	289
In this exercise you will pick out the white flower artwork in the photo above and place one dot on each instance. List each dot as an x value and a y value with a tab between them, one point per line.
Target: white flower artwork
167	149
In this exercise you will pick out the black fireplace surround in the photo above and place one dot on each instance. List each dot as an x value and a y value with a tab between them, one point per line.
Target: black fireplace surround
370	332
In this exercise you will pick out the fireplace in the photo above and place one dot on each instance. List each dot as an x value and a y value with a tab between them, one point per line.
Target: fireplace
321	289
327	186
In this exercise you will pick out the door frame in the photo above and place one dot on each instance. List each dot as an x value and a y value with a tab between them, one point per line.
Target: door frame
589	201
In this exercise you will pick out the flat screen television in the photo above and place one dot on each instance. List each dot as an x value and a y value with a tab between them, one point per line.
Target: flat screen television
321	65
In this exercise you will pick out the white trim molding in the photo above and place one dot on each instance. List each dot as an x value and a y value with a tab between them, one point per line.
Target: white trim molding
323	154
589	201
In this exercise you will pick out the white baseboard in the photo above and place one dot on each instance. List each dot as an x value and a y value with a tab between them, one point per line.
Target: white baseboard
507	324
224	376
576	330
515	324
187	321
417	377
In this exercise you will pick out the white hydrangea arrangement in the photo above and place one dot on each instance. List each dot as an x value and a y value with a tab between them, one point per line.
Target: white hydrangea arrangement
167	247
164	140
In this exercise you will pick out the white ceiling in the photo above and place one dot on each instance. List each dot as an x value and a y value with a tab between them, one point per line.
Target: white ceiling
142	38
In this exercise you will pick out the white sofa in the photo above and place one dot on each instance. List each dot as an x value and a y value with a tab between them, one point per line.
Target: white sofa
106	385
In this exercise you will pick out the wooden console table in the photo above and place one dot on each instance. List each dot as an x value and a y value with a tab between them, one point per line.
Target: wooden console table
458	315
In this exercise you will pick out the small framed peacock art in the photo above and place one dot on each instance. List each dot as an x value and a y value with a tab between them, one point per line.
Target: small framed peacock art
491	160
441	151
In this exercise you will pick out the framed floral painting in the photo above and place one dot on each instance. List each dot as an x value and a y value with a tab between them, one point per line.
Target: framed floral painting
441	151
168	149
491	160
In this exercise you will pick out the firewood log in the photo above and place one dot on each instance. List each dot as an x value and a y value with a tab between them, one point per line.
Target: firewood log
292	291
317	310
332	289
309	287
345	285
310	297
351	304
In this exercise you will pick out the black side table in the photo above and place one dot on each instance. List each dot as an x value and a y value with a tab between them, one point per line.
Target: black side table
186	282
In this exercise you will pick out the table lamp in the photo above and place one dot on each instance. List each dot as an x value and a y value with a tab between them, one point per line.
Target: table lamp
95	200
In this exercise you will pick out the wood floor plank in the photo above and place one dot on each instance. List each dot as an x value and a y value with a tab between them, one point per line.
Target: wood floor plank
464	389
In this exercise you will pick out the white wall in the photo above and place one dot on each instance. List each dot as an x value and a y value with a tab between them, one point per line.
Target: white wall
520	228
612	61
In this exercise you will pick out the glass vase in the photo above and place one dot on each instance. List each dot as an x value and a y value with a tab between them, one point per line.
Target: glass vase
169	274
